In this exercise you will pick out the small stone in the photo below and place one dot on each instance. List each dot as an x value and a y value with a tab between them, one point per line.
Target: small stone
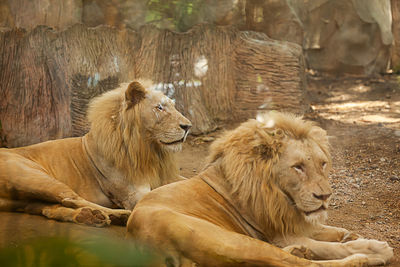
382	159
394	178
363	202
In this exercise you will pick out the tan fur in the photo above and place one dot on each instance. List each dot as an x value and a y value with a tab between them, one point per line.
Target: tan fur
247	169
266	185
128	151
118	134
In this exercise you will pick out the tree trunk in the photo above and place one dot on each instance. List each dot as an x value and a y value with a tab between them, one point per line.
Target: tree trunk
215	74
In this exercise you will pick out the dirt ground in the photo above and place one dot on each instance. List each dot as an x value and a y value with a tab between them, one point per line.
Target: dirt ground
362	117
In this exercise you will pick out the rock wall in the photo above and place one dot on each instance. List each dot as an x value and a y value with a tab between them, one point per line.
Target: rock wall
337	36
215	74
395	4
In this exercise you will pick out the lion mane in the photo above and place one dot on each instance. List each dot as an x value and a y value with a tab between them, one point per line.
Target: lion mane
118	135
247	156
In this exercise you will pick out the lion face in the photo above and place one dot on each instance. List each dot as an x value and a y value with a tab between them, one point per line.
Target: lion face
168	127
302	174
162	123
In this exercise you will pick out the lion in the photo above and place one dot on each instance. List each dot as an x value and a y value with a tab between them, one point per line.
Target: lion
97	179
265	188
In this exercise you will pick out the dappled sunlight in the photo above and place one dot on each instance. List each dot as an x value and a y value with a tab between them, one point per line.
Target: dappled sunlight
341	96
355	105
360	88
379	118
338	98
201	66
362	112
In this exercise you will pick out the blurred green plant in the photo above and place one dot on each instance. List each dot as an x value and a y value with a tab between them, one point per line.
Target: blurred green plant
63	251
396	69
179	15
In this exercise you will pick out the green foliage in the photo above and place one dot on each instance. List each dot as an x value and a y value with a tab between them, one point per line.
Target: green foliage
396	69
52	251
177	15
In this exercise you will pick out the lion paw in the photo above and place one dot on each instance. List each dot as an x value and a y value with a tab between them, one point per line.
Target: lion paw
300	251
378	252
350	236
91	217
119	217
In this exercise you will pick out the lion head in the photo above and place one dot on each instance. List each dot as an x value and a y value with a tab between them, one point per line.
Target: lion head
276	168
136	128
161	122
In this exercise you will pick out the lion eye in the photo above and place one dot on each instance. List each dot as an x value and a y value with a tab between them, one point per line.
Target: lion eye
160	107
298	167
324	164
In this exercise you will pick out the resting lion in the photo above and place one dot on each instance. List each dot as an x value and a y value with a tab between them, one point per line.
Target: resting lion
127	152
266	186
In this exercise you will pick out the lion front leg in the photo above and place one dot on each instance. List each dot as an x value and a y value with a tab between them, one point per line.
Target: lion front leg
185	238
85	216
117	216
376	252
332	234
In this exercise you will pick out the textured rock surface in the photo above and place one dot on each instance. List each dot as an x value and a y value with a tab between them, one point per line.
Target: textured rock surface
338	36
215	74
395	4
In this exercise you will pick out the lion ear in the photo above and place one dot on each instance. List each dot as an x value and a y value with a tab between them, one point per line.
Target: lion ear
134	93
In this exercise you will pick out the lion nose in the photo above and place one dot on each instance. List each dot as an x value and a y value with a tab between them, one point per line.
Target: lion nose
322	196
185	127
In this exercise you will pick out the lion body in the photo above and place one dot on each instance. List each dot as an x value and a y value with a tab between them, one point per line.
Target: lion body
84	179
65	159
265	187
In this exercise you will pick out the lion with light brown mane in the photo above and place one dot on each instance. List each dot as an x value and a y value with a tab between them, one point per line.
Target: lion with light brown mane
265	188
128	151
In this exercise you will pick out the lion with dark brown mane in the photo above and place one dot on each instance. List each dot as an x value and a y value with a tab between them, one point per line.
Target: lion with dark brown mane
265	188
128	151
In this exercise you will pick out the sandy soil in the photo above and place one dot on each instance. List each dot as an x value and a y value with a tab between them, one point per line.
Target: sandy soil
362	117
